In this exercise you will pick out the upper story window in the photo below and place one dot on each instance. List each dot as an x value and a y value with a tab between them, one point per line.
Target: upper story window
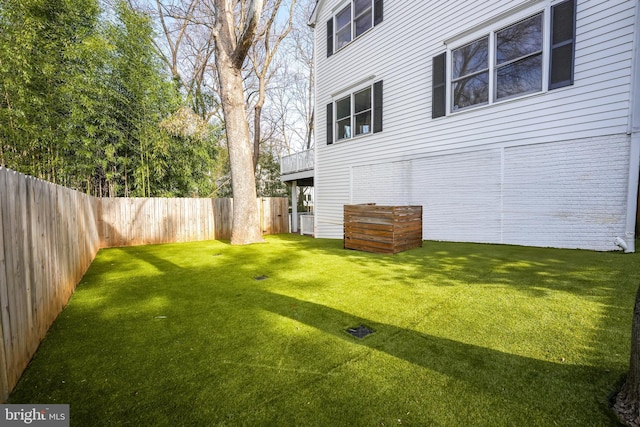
362	16
507	62
343	27
515	70
470	78
351	21
518	67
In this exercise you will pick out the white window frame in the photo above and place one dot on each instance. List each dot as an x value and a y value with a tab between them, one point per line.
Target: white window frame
351	92
491	29
340	8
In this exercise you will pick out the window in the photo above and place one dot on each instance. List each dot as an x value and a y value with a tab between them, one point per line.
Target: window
507	62
343	27
359	113
362	16
519	58
352	21
470	80
362	111
517	69
343	118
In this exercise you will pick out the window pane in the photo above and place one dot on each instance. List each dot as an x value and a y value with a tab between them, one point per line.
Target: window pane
363	23
343	108
363	123
520	77
521	39
343	37
471	91
344	128
363	100
343	17
360	6
471	58
343	27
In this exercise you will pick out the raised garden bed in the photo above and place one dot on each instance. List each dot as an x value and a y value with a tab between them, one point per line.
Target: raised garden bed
382	229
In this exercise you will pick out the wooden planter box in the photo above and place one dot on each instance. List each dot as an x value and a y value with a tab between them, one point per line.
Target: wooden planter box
382	229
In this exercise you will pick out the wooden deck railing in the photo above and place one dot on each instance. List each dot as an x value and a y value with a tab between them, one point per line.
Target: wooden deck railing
297	162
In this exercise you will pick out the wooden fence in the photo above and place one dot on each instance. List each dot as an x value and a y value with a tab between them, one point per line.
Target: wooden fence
133	221
49	238
50	235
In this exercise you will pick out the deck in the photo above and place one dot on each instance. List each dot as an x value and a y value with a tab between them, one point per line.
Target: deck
298	167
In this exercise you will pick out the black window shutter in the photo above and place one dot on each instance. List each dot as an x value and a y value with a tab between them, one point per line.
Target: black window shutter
329	37
330	123
439	86
563	41
377	107
377	12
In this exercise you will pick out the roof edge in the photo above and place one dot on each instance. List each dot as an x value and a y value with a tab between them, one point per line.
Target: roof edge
313	19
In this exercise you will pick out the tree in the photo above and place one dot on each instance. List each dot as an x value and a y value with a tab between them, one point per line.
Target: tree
43	53
288	113
232	43
85	102
223	53
627	404
262	54
206	47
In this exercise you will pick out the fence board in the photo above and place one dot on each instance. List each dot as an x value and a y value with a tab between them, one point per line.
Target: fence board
13	276
6	354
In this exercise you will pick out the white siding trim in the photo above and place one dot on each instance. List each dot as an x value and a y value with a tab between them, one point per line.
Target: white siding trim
502	196
634	93
632	191
634	129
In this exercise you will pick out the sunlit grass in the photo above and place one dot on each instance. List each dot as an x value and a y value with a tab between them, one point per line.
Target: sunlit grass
465	334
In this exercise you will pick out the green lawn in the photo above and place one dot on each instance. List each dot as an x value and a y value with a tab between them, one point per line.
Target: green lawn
465	334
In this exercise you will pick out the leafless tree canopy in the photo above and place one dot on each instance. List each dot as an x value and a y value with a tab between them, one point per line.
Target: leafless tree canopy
277	70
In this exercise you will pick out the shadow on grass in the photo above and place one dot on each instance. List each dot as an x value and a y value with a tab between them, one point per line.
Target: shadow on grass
511	373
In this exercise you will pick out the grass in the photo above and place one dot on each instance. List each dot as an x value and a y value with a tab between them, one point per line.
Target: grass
465	334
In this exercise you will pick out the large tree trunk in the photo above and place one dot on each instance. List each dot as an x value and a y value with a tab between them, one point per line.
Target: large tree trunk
627	405
246	217
231	50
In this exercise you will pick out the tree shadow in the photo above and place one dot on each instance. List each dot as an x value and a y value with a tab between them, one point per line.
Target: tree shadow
510	373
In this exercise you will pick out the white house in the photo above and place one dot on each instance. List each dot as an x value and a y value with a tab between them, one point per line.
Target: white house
512	121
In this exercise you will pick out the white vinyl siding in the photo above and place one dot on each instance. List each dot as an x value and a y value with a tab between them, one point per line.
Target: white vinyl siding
594	108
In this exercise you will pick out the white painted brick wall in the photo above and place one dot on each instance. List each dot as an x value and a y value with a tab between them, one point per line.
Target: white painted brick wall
568	194
383	184
460	194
